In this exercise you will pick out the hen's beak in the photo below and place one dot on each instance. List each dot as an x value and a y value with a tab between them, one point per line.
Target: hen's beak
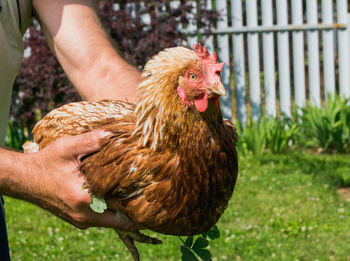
217	88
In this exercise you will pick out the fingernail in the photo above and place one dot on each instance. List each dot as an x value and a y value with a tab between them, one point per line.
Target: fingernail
103	133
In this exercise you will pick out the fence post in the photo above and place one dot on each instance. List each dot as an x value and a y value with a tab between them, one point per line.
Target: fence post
343	48
328	49
269	60
298	55
239	62
192	25
313	54
253	59
208	39
283	59
224	56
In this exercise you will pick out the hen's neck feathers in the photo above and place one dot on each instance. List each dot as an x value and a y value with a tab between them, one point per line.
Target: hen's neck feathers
162	118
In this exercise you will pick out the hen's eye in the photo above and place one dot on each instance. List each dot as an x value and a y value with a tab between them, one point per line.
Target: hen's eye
193	77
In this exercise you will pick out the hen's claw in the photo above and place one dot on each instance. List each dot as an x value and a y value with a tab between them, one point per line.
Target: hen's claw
139	237
129	237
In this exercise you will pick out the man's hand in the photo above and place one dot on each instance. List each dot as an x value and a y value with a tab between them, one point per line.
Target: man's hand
50	178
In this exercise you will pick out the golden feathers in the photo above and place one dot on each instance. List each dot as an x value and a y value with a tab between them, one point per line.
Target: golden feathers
173	169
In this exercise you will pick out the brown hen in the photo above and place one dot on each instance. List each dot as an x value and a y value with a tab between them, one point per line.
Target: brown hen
171	161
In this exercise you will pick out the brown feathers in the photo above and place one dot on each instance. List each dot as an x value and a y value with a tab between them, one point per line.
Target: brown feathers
76	118
172	168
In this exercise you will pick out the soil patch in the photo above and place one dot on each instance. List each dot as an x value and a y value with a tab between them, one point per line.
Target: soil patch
344	192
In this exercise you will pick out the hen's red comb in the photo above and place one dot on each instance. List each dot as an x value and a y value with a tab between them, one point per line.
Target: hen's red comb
203	53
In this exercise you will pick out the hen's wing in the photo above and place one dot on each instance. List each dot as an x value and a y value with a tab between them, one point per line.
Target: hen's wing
138	177
76	118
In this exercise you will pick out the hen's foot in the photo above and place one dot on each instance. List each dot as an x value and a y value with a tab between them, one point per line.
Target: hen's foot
129	237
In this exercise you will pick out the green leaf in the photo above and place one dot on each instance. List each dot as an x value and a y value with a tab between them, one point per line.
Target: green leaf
98	204
85	185
200	243
187	254
189	241
213	233
204	254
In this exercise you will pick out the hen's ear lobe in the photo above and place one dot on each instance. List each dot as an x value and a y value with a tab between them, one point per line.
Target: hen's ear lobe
181	80
182	94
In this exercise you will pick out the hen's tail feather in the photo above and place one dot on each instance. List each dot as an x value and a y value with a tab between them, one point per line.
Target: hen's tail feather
30	147
129	237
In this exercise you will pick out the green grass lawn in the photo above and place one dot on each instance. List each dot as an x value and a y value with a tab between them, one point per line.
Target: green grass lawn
285	207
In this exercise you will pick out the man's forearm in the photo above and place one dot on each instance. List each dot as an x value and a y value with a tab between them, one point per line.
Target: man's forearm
116	80
14	176
75	35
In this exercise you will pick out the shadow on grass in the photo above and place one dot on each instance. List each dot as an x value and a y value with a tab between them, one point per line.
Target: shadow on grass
325	168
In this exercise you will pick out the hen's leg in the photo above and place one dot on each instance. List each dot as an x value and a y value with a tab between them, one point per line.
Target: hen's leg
129	237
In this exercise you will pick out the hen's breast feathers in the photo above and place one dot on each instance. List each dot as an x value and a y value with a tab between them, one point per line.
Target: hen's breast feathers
181	190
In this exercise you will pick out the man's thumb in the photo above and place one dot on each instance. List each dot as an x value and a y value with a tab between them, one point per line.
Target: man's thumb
85	143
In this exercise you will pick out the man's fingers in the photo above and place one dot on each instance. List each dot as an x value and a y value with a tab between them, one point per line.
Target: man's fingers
83	144
117	220
113	203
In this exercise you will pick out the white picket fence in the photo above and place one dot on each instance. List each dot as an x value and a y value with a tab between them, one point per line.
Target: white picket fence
277	52
326	25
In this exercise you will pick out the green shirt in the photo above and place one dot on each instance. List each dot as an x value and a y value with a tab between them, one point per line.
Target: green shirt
15	17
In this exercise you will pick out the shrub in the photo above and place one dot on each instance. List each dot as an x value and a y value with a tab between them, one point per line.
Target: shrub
274	135
327	128
251	138
41	84
16	136
280	133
